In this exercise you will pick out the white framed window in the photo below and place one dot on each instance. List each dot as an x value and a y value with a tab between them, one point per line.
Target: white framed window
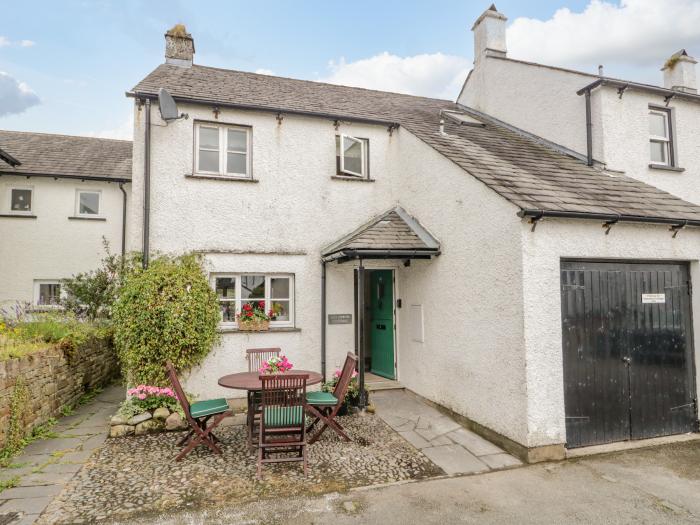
276	290
660	137
222	150
20	200
352	156
47	292
87	203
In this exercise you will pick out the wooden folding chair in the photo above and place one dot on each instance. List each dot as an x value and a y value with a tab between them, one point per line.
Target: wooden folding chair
256	357
324	406
197	416
282	419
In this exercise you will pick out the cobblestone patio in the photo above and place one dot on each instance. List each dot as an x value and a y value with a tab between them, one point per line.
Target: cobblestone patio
136	476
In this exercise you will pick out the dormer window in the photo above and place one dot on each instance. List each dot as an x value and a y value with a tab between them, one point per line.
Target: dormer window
661	137
352	154
222	150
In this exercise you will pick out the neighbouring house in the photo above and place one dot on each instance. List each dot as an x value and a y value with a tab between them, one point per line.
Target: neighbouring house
478	260
645	131
59	197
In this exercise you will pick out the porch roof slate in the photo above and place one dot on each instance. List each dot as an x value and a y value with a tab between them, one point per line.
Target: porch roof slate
392	230
528	173
43	154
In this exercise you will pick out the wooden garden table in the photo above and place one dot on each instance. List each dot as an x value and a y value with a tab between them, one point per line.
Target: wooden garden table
250	381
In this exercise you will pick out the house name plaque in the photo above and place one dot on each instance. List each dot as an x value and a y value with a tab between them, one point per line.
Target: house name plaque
339	318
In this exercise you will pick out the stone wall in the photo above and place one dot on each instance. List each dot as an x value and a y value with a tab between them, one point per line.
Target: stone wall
54	378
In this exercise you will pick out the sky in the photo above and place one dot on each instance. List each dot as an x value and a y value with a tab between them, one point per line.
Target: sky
65	66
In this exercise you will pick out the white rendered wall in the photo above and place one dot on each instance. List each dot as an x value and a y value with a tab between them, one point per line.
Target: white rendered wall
537	99
542	254
52	246
624	132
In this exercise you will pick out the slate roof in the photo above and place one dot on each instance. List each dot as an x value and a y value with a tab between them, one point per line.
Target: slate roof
42	154
529	174
390	231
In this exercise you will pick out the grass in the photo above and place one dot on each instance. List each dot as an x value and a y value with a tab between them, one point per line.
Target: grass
9	483
13	349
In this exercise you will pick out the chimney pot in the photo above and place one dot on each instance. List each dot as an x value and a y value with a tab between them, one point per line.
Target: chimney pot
489	34
179	46
679	72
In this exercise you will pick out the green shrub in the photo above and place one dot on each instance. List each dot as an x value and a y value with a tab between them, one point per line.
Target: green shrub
165	313
91	294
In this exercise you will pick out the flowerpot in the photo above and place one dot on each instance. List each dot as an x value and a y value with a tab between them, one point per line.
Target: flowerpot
253	325
343	411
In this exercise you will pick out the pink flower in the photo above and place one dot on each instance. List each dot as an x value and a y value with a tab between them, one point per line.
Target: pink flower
142	396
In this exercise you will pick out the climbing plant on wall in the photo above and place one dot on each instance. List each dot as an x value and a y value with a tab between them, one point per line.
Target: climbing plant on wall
165	313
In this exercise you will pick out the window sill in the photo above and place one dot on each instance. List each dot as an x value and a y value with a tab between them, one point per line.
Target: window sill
17	216
666	168
218	177
79	218
274	329
354	179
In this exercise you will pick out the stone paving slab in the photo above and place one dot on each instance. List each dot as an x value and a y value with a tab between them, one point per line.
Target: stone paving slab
442	439
46	466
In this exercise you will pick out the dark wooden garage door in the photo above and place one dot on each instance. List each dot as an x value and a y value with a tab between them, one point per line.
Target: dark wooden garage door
627	351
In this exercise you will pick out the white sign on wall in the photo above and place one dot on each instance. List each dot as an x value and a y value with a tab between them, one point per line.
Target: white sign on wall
417	334
653	298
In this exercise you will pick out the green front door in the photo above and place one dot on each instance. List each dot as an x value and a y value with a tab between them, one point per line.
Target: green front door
381	319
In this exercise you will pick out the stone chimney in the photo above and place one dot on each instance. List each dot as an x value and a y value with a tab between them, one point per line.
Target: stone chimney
179	46
679	72
489	34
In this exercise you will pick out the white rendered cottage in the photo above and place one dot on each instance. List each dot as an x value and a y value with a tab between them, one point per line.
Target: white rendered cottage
60	196
435	239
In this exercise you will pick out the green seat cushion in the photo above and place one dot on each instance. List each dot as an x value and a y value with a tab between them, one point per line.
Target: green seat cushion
321	398
208	407
283	416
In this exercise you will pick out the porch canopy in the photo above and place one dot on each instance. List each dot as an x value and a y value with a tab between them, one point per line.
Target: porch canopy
392	235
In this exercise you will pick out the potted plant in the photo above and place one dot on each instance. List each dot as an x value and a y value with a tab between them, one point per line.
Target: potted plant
253	317
352	396
276	365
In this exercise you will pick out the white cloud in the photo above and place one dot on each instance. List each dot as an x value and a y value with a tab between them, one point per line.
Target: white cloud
635	33
431	75
263	71
15	97
124	131
6	42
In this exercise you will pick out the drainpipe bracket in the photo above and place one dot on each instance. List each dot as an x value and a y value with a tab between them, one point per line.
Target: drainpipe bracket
609	224
676	228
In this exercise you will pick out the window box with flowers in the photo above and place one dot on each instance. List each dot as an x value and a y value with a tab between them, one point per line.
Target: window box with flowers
253	317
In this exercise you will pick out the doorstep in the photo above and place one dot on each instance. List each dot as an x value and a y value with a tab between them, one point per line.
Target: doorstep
375	383
629	445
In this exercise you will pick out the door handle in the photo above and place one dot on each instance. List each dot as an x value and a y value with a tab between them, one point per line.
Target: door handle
381	327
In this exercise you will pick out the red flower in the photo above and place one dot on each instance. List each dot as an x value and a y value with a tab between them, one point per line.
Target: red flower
249	314
261	304
246	306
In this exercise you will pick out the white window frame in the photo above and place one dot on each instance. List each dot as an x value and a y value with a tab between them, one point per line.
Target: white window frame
77	203
363	154
9	200
37	288
223	150
667	140
238	300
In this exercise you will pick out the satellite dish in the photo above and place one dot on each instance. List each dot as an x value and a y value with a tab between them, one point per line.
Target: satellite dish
168	107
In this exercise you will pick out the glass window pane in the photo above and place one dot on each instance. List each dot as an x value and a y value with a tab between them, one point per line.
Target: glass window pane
228	312
226	287
657	125
209	138
658	151
352	150
280	288
280	310
208	161
237	140
236	163
49	293
21	200
89	203
253	287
